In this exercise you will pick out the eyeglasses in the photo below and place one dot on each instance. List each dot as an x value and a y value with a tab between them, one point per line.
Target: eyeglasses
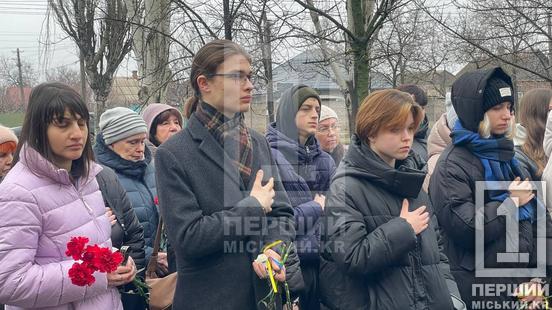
236	77
326	129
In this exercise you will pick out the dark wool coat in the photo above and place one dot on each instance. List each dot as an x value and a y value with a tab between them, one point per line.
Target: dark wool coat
214	225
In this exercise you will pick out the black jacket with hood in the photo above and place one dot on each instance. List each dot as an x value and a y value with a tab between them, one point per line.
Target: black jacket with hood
453	195
419	145
371	258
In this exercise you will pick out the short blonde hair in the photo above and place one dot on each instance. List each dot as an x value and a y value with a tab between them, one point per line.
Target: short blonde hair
485	128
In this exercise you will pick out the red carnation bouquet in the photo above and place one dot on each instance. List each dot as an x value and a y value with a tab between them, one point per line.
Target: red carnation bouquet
92	258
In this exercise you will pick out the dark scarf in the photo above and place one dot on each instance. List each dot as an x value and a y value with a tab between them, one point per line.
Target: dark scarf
232	134
337	153
497	157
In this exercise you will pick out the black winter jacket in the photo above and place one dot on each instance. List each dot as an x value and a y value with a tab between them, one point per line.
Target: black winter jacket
527	164
452	192
372	259
127	230
419	145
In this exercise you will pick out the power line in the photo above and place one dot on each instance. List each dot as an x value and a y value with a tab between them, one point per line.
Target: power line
20	13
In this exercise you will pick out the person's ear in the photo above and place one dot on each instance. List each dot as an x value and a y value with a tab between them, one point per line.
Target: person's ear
203	84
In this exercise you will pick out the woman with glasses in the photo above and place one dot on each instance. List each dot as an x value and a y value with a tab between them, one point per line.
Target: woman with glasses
219	191
120	145
328	134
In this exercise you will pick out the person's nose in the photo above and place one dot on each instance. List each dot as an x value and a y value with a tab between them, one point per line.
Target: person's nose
174	127
76	132
141	147
407	135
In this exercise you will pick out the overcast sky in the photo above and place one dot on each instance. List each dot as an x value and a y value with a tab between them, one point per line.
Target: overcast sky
23	24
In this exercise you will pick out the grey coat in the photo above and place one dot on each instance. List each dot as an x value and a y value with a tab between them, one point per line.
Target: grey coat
215	226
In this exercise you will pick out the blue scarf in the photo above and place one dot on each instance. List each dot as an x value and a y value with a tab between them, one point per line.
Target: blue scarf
497	157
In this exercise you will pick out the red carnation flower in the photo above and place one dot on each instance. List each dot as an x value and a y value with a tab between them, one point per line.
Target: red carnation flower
75	247
101	259
93	257
156	200
81	275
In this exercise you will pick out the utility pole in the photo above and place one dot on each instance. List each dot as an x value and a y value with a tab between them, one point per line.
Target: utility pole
20	81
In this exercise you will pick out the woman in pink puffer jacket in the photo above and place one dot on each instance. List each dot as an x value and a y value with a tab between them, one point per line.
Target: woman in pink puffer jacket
49	196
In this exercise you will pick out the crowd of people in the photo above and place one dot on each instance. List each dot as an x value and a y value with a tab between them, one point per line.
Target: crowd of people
391	220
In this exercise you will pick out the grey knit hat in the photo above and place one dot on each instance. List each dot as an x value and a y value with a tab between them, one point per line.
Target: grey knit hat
119	123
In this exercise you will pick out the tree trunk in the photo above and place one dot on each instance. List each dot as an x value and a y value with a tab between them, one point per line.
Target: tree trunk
227	19
151	48
549	30
361	78
99	109
352	107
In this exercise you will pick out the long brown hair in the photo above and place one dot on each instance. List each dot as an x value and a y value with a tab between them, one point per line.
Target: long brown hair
206	62
532	115
385	109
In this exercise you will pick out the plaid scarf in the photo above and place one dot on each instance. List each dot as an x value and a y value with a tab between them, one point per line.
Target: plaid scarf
232	134
497	157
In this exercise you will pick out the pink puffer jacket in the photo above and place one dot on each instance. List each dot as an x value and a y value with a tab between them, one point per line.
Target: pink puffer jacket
39	213
439	138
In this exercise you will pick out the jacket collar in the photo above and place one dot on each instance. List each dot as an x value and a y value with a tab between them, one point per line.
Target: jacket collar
291	149
108	157
214	151
404	180
44	168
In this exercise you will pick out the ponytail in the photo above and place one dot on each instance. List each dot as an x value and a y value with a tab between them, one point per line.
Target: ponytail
191	106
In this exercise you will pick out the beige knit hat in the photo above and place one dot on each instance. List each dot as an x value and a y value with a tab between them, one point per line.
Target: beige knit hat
326	112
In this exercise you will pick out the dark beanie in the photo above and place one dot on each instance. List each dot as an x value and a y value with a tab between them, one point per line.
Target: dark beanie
496	92
475	92
290	102
303	94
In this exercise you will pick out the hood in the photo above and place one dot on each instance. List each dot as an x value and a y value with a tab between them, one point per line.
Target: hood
439	137
467	95
44	168
108	157
153	110
287	110
421	133
292	151
520	135
404	180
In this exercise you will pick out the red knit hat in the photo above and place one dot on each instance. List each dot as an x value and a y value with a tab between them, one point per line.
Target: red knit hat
8	140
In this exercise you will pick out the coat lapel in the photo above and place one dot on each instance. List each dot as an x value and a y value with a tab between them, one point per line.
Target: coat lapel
213	150
256	164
